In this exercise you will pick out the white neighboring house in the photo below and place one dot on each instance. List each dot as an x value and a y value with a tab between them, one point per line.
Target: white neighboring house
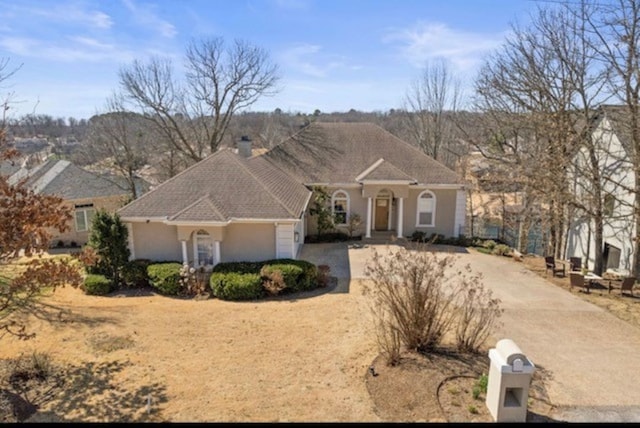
611	137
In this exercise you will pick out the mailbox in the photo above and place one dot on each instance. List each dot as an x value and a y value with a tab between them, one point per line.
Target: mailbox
510	374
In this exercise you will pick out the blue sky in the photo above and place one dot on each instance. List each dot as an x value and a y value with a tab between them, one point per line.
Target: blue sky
332	55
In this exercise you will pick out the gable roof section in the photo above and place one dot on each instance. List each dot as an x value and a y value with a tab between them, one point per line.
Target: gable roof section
220	188
619	119
68	181
384	171
340	152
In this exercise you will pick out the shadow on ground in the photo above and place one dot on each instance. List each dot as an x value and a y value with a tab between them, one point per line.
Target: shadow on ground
85	392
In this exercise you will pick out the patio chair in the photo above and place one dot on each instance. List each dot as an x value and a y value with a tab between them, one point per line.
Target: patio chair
551	265
576	279
627	285
575	264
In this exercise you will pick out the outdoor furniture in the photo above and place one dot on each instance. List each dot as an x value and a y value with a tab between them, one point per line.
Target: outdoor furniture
576	279
589	280
575	263
627	285
551	265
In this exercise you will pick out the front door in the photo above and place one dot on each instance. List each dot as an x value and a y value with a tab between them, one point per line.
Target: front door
382	214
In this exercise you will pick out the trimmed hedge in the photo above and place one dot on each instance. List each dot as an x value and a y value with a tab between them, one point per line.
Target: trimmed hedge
297	275
165	277
97	285
236	286
135	273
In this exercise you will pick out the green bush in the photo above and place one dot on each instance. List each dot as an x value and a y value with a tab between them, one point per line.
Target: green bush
238	267
165	277
97	285
489	244
135	273
501	250
291	274
309	278
418	236
236	286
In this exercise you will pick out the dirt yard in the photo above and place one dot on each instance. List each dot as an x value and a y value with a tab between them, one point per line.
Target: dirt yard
144	357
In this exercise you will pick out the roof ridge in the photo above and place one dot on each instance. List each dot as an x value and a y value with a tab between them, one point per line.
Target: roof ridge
370	169
381	165
45	179
176	176
246	167
411	146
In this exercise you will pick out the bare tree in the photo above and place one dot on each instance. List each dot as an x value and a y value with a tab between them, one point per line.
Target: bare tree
617	28
119	141
538	91
219	81
430	101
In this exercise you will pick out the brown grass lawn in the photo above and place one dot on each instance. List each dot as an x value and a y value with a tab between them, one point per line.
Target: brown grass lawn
138	356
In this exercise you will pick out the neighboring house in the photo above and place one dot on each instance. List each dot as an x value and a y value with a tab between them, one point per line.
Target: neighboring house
612	139
238	207
82	191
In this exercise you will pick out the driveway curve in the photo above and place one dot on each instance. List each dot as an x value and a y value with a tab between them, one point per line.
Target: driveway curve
591	356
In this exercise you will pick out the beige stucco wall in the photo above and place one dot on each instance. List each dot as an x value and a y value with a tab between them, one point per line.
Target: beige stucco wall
110	204
156	241
248	242
444	218
445	212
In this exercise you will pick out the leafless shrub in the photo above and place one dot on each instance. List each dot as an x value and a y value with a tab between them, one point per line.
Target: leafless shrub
273	280
323	275
389	339
419	296
407	288
477	313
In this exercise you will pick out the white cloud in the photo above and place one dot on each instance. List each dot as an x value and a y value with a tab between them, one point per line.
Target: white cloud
308	59
57	13
145	15
76	49
426	41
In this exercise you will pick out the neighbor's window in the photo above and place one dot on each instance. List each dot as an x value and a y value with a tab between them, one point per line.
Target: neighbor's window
204	247
84	216
608	205
340	206
426	209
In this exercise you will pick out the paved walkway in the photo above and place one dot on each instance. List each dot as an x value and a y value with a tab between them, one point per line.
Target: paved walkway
593	358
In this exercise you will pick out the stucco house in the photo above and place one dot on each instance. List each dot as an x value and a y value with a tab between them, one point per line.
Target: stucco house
611	137
237	207
81	190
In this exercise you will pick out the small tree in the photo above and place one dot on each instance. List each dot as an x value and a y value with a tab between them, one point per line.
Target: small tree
109	239
26	219
353	223
320	208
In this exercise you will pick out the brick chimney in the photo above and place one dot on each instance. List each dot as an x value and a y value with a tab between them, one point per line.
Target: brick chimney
244	146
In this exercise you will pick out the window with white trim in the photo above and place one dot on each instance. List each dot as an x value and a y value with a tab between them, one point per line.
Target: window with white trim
340	207
84	217
426	211
205	251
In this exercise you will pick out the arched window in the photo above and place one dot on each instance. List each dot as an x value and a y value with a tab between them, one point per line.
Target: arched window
204	249
426	212
340	207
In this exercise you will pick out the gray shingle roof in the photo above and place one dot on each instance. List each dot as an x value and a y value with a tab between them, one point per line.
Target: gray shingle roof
68	181
222	187
339	152
383	170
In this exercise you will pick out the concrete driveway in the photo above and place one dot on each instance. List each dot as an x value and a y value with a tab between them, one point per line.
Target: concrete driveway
592	357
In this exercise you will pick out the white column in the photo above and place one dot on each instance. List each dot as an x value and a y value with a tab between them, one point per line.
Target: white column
185	257
400	209
217	250
368	234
